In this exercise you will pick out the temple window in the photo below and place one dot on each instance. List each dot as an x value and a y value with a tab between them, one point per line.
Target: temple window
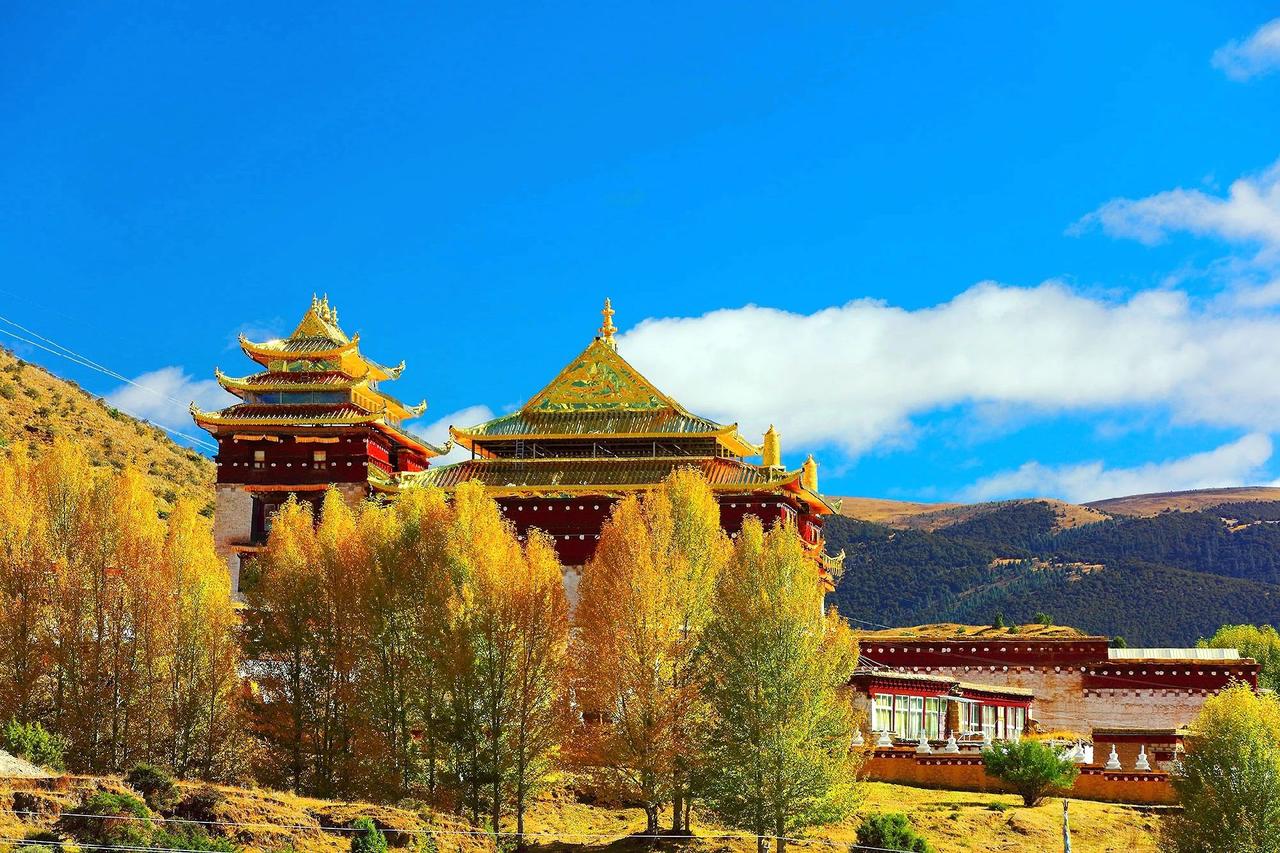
259	457
881	712
318	456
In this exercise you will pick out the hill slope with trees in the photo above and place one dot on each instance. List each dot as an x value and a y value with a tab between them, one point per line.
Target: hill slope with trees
36	407
1164	579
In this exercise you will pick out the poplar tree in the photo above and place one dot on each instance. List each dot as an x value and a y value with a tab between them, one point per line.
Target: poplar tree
645	598
778	752
118	631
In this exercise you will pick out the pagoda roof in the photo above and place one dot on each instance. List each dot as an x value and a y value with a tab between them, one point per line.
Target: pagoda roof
303	381
614	423
600	393
285	414
612	476
310	416
318	337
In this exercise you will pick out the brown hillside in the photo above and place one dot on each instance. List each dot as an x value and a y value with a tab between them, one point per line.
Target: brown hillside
1191	501
930	516
36	406
260	821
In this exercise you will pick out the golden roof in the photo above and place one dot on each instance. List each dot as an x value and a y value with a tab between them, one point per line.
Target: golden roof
318	337
601	393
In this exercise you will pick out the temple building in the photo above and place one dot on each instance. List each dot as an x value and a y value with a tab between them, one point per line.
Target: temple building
601	430
312	418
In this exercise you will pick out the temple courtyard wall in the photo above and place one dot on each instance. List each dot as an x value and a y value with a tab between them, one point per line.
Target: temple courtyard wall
965	772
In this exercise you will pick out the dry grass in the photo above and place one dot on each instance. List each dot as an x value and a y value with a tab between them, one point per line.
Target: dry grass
257	820
1156	503
36	407
952	630
926	516
954	822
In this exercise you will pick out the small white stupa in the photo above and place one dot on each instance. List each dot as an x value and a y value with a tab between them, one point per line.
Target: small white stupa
884	740
922	746
1113	760
857	737
1142	763
952	747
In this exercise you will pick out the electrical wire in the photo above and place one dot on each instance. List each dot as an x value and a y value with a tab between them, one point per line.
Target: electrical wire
73	356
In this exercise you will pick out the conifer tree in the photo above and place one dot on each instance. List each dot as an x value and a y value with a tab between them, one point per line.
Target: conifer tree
778	755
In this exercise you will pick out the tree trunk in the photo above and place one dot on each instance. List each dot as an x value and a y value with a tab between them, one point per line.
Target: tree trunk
677	808
780	834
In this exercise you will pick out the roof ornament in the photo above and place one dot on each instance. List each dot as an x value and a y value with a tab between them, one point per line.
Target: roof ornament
772	454
809	474
607	328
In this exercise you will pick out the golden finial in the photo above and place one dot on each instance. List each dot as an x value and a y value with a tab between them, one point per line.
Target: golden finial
607	328
772	454
809	474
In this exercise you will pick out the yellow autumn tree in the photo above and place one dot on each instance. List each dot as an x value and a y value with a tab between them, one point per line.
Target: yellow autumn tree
285	597
118	626
645	600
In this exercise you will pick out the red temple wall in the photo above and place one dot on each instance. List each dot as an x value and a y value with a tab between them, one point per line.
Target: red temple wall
575	523
288	462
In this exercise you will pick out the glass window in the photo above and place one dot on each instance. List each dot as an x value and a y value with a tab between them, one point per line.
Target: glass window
989	722
881	712
915	716
259	455
935	711
318	456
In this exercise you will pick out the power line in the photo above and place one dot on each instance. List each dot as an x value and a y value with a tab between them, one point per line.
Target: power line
76	358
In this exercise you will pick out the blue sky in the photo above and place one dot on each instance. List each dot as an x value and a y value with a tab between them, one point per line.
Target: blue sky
974	251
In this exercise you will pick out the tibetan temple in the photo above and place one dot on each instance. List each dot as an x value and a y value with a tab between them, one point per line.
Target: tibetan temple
313	417
601	430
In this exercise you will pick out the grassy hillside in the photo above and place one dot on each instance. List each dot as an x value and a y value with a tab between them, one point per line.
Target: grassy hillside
1193	501
1167	578
36	406
954	822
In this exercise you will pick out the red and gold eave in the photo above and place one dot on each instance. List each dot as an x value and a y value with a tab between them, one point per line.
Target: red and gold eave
317	392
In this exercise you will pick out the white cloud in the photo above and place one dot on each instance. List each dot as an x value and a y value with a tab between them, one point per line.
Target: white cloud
163	396
1231	464
1256	55
1249	213
437	432
856	375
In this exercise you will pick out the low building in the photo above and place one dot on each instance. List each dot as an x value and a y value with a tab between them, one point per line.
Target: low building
1078	681
907	704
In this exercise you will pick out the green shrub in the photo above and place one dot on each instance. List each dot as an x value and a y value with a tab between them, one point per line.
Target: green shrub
33	742
156	786
106	818
7	390
189	836
201	805
367	838
892	831
1033	769
41	840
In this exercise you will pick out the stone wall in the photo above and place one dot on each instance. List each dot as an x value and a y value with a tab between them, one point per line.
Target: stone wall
232	525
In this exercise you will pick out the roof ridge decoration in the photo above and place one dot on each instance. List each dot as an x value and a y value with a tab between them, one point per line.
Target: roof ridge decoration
321	320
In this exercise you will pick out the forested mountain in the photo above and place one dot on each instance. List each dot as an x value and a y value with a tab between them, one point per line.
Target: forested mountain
1162	579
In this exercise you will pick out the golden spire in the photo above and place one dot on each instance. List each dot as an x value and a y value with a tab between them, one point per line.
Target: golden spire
772	455
607	328
809	474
